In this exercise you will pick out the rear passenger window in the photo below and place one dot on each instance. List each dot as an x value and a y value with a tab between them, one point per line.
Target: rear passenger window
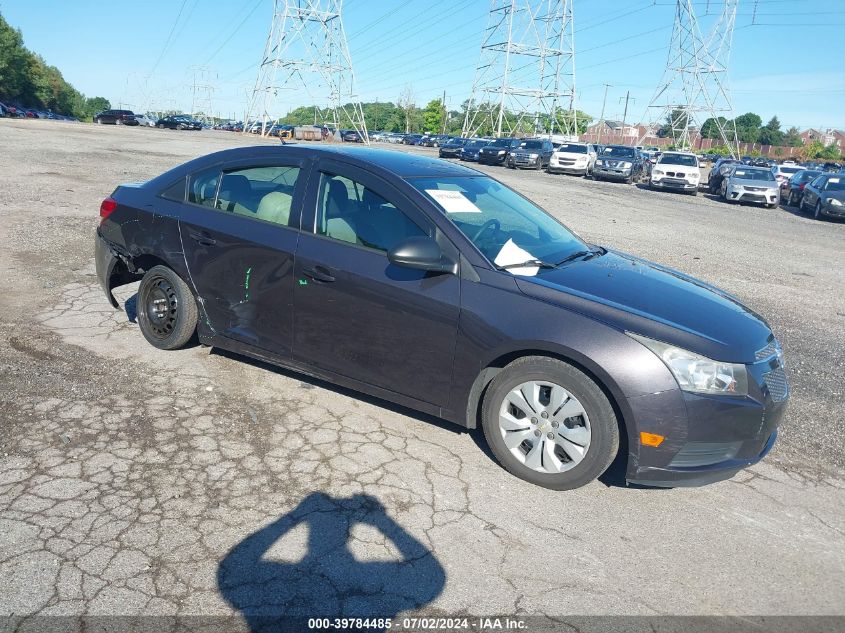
262	193
203	187
349	212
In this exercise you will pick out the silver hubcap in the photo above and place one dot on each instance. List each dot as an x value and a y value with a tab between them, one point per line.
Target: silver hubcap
545	427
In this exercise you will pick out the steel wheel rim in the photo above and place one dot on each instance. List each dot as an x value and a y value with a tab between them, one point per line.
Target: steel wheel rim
161	305
544	427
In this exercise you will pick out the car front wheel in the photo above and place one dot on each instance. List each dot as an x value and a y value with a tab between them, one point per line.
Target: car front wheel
549	424
817	211
167	310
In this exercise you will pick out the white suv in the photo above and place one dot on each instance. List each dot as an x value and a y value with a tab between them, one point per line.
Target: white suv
676	170
573	158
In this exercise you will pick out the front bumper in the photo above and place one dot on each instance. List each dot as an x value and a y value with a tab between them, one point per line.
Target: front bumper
568	167
612	173
449	153
708	438
473	158
676	184
492	159
765	196
833	211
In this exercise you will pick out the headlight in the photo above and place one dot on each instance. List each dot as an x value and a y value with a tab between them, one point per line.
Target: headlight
501	151
657	172
835	202
599	162
694	176
696	373
533	156
625	165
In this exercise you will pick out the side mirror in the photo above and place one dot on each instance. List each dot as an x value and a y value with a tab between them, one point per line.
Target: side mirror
422	253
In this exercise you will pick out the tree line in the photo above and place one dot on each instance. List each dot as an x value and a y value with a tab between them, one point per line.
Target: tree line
405	117
26	79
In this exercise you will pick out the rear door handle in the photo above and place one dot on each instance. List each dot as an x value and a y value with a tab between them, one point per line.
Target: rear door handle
202	238
319	273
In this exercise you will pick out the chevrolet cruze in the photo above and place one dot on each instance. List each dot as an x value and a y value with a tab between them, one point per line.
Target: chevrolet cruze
434	286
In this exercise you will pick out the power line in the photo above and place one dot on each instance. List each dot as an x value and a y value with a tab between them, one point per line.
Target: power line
169	37
235	32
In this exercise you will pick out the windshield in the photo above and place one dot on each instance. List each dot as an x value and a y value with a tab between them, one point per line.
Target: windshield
678	159
473	144
502	142
506	228
805	176
626	152
753	174
531	144
835	184
789	170
573	149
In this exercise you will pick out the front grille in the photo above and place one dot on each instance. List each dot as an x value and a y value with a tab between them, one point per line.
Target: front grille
777	384
694	454
767	352
755	188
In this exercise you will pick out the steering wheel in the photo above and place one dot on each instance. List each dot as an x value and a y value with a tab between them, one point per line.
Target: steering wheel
486	227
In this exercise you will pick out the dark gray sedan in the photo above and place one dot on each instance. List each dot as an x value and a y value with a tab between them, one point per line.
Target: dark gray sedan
825	196
436	287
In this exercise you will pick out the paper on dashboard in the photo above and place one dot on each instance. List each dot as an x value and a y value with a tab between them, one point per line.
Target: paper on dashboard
513	254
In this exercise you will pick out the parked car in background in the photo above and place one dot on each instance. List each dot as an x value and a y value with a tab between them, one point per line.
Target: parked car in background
498	151
830	167
718	171
794	190
433	140
678	171
144	120
567	354
472	147
824	196
451	147
745	183
178	122
412	139
618	162
783	173
533	153
573	158
351	136
115	117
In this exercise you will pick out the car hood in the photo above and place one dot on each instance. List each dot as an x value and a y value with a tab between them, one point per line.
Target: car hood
836	195
678	169
640	296
573	155
766	184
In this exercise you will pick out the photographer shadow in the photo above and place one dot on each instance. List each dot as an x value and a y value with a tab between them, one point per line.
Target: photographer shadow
328	581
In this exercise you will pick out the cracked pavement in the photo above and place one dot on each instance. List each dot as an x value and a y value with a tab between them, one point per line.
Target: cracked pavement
196	482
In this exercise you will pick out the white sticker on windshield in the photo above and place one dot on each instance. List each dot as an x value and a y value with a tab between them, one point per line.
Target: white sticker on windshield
453	201
513	254
833	180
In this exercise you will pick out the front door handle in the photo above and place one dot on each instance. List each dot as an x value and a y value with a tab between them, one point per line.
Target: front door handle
319	273
202	238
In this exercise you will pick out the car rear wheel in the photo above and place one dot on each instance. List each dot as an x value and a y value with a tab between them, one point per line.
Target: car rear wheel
548	423
99	121
118	122
167	310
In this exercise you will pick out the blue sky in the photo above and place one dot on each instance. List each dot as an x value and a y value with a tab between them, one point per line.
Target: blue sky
784	60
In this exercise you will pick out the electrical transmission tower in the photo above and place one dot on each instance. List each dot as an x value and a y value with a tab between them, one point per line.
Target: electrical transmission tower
525	78
694	87
201	95
306	51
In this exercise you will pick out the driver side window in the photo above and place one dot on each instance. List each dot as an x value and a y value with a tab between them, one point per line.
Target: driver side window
348	211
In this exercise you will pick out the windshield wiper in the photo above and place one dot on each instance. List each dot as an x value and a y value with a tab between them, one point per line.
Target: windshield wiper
528	263
578	254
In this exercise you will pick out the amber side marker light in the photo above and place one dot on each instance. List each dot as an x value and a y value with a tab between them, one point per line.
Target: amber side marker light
651	439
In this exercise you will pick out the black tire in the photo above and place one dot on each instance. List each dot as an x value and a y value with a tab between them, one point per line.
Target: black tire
160	126
694	192
160	289
817	211
604	442
98	121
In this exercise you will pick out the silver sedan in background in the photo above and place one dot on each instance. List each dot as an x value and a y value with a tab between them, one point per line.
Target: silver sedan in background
751	184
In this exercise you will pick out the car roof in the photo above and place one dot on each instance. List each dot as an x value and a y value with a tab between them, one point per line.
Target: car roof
394	162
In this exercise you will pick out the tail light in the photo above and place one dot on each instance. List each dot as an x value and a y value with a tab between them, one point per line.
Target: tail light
106	207
801	186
